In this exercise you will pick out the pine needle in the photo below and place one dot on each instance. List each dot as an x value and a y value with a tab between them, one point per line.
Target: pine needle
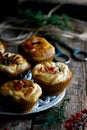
38	19
56	116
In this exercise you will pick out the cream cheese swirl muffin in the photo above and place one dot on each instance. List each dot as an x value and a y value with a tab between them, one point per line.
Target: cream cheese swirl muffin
20	95
53	77
13	65
37	49
3	47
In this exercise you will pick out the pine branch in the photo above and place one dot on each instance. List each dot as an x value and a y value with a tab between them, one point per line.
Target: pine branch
38	19
57	115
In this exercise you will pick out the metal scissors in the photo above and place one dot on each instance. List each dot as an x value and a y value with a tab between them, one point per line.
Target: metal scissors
60	56
76	54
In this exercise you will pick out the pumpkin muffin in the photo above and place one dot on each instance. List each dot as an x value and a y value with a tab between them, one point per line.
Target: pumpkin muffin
3	47
53	77
37	50
13	65
20	96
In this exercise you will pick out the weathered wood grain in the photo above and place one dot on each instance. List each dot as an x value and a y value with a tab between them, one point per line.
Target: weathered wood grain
76	91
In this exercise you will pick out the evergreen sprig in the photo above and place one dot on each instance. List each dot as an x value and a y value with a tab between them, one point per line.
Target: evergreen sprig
38	19
57	115
35	19
62	21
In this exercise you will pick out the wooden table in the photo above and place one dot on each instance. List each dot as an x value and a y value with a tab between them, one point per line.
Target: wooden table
77	92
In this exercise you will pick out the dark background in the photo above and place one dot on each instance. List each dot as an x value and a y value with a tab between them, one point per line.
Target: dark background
10	8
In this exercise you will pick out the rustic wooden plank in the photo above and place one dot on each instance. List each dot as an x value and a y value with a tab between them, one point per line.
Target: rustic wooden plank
15	124
76	91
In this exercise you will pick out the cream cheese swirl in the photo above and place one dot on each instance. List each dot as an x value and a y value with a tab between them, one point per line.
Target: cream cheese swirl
23	89
51	72
13	63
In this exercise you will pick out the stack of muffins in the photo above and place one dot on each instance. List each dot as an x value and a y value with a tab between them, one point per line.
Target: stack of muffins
14	90
49	78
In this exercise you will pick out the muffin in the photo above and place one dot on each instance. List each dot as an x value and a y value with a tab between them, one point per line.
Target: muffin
20	96
13	65
3	47
37	50
53	77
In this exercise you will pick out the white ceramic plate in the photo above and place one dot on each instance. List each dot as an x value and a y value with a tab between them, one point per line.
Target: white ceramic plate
41	105
44	103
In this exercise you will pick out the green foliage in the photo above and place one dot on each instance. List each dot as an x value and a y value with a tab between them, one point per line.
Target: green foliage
35	19
38	19
56	116
62	21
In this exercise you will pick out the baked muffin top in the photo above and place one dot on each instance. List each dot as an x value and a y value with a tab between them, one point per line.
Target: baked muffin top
37	48
13	64
3	47
21	89
51	72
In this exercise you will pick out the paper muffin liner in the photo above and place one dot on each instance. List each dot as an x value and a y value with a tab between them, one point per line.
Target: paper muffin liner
35	61
17	106
28	107
53	90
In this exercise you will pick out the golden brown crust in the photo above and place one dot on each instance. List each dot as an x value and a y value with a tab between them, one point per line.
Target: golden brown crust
22	93
13	65
37	49
56	89
3	47
53	77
